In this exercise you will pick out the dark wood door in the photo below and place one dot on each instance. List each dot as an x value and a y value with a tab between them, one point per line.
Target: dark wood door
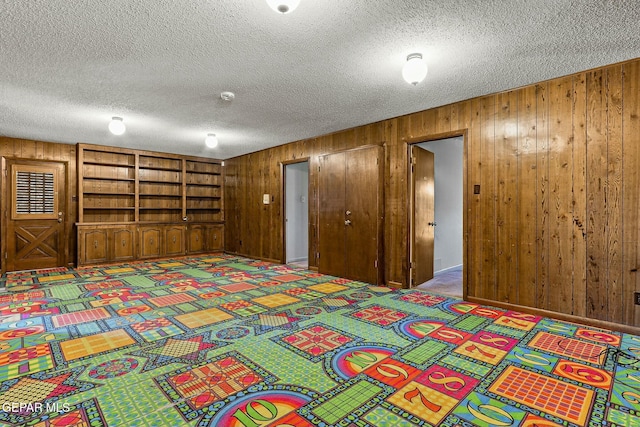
361	214
331	214
423	214
36	192
350	214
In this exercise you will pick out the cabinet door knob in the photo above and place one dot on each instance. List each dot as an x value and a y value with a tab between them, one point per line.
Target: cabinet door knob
95	244
124	243
347	222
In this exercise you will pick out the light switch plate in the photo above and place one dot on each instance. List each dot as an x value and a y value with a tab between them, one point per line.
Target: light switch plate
266	199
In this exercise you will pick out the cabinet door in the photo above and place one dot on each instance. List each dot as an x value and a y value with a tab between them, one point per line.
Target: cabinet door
150	245
174	240
123	245
215	241
195	239
94	246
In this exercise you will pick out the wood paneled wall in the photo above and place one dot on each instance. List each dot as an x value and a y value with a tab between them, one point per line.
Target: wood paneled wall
556	225
39	150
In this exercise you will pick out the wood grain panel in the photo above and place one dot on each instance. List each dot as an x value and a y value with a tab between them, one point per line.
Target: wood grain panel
579	195
615	292
597	230
631	190
506	147
527	203
560	203
488	196
474	211
542	194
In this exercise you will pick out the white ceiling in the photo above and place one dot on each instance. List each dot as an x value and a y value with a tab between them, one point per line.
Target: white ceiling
68	66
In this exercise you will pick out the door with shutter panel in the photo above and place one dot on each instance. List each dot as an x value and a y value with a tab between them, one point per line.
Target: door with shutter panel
36	191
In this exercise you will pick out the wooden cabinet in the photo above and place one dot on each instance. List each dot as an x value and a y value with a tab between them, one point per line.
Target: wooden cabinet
215	238
205	238
150	241
123	244
102	244
136	204
174	240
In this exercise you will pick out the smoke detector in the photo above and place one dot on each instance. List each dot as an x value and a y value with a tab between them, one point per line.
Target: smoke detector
227	96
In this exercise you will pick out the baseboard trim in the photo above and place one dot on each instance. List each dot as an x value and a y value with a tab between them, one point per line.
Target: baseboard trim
559	316
275	261
396	285
455	267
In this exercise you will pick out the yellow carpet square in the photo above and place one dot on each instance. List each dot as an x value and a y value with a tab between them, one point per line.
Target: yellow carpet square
275	300
94	344
44	279
200	318
328	288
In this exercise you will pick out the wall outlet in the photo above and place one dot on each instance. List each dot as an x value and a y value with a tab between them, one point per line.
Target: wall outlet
636	298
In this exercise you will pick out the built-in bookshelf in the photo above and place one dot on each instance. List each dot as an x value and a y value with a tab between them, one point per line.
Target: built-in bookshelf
140	204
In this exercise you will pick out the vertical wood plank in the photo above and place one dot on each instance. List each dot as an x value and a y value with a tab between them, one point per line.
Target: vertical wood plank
630	190
542	196
506	198
579	195
475	170
527	202
488	197
597	230
560	207
615	291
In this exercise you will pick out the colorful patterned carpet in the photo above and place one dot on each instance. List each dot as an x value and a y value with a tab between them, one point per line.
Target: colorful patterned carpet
225	341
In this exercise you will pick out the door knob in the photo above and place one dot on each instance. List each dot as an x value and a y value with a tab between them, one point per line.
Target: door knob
432	224
347	213
347	222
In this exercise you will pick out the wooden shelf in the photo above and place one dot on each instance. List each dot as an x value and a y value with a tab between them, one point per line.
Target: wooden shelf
114	164
113	193
197	184
105	178
159	208
154	168
156	226
204	173
99	208
158	181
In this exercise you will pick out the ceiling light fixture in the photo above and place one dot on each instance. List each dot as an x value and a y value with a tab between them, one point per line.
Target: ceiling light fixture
283	6
415	69
211	140
116	126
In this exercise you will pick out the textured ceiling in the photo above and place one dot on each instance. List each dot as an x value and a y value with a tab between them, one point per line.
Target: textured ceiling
68	66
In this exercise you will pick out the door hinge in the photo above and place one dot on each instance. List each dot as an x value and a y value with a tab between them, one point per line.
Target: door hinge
317	255
375	263
6	255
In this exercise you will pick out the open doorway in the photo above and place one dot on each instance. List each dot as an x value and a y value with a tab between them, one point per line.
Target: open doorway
437	216
296	208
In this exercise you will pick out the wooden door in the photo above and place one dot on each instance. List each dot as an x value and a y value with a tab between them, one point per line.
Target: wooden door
93	246
422	214
361	214
174	240
349	214
195	239
150	242
36	192
215	238
331	214
123	244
